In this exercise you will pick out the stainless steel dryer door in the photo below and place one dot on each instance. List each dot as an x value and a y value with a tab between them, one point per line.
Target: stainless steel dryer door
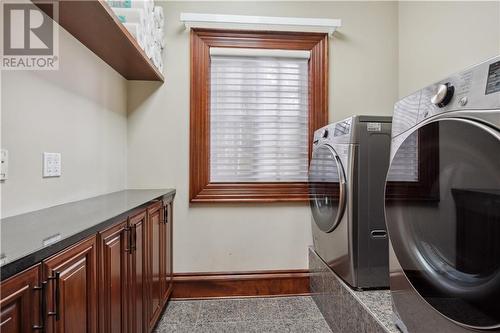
449	245
327	188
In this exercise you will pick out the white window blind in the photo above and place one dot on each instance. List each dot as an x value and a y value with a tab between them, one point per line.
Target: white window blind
259	117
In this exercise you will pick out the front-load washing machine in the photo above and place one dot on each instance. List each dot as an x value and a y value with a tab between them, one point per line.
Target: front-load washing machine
443	204
346	184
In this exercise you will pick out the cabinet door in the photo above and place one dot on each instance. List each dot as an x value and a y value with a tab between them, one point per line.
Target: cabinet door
71	289
20	302
155	261
167	255
138	271
113	279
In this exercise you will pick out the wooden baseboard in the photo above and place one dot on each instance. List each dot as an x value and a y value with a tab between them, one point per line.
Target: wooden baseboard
240	284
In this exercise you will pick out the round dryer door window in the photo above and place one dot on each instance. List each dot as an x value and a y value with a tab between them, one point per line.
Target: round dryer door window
443	217
326	188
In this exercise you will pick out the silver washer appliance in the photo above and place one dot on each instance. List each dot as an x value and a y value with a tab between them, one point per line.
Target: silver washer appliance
443	204
346	184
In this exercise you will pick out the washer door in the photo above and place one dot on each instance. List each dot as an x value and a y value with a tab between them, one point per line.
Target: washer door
449	246
327	188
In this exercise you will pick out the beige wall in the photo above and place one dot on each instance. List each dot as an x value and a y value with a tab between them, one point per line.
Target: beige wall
363	59
437	39
79	111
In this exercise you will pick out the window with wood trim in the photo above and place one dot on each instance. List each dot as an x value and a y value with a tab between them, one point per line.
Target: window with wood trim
417	165
253	113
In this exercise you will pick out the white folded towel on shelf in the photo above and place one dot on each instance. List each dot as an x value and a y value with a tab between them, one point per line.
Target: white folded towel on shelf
147	5
131	15
148	45
160	37
158	16
145	22
120	3
136	30
157	59
158	56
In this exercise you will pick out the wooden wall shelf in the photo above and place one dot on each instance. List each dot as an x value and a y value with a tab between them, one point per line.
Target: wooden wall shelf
95	25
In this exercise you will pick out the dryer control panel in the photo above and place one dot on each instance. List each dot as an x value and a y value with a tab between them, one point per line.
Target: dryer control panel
476	88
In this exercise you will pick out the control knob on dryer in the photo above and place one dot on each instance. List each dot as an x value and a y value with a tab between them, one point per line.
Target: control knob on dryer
443	95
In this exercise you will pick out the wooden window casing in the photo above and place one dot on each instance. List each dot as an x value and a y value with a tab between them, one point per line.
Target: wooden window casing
200	187
427	186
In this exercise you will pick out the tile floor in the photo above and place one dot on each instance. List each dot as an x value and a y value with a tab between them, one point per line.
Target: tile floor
280	314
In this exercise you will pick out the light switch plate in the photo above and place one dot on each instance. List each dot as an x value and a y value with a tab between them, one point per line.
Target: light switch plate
51	165
4	164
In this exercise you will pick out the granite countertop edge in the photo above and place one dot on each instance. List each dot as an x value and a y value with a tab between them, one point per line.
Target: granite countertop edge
18	265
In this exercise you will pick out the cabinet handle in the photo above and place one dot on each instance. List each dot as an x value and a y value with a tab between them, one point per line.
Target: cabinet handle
134	238
165	214
43	307
56	279
128	239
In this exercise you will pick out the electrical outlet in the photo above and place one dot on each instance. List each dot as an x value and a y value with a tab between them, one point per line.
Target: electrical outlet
51	165
4	164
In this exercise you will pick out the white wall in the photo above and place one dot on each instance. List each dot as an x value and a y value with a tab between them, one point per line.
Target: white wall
79	111
363	58
437	39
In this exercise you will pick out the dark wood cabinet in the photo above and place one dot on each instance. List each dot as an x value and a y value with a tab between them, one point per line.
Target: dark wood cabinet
71	294
155	238
167	251
135	270
160	263
20	302
159	228
118	281
114	251
59	295
138	276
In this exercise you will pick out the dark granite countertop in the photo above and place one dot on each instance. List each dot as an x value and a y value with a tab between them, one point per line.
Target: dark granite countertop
29	238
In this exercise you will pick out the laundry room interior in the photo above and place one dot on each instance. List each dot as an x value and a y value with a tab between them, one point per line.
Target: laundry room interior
249	166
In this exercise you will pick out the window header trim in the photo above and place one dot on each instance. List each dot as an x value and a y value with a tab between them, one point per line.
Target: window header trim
266	23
